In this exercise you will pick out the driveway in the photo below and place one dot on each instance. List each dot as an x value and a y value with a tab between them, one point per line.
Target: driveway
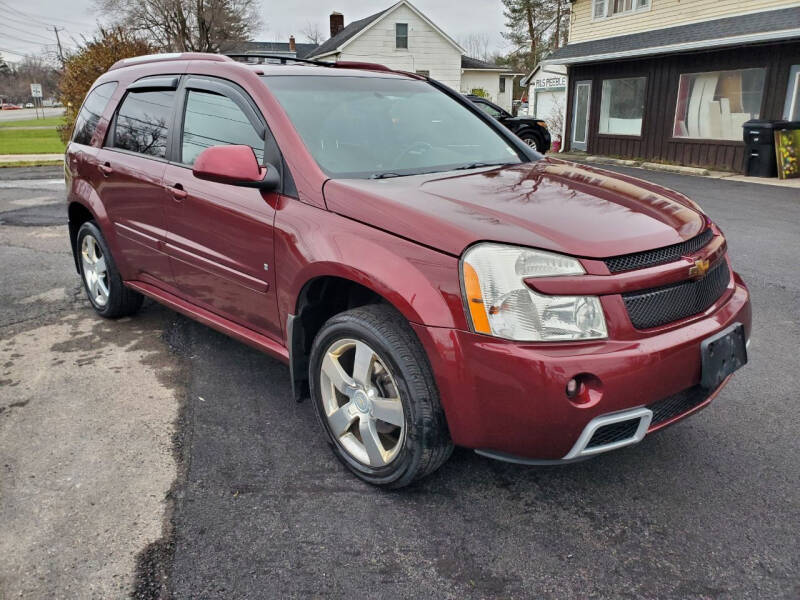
259	507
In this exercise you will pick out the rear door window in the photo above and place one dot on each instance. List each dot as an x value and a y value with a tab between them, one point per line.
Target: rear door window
142	123
92	110
215	120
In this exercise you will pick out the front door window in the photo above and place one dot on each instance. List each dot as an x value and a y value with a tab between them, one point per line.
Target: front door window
580	123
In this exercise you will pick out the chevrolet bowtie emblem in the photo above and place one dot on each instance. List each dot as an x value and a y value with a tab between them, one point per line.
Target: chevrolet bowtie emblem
699	268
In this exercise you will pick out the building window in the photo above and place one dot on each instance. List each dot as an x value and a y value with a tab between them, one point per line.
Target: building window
608	8
622	106
715	105
502	85
791	111
401	35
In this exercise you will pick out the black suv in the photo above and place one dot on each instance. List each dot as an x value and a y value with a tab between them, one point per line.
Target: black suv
531	130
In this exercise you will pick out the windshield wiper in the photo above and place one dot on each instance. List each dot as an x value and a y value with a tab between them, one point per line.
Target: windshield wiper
385	175
477	165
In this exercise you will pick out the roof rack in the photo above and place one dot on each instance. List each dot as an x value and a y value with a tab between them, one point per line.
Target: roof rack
342	64
148	58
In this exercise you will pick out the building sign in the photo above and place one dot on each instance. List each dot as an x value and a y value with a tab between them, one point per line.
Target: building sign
549	82
36	90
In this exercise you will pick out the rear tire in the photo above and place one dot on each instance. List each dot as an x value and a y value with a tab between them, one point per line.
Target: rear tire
101	279
379	406
532	139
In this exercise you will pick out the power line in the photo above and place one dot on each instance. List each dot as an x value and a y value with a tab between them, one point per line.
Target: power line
24	41
42	19
15	30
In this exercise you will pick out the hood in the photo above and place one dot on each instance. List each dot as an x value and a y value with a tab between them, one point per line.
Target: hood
550	204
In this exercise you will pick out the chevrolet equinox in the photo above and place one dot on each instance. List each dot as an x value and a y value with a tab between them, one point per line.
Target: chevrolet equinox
430	279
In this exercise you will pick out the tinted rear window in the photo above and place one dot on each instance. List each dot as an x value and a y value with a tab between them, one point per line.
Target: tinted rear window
143	122
91	111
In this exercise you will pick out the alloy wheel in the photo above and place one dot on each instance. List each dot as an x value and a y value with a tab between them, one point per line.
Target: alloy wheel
362	402
95	270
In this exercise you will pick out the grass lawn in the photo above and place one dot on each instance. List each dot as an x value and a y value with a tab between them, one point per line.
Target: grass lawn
30	141
47	121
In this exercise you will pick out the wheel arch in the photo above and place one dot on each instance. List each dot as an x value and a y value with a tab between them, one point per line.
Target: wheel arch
77	214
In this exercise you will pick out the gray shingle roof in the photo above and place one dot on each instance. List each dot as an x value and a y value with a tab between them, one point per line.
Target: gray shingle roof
302	50
467	62
649	42
345	34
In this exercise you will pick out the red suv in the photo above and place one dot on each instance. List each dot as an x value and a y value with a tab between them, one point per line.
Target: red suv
429	279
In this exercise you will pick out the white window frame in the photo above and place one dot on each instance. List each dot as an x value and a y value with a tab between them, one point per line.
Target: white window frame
608	6
397	37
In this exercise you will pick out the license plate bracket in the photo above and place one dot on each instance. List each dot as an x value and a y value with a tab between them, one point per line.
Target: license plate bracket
722	354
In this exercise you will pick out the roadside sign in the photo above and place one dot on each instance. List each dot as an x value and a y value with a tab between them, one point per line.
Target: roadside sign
36	90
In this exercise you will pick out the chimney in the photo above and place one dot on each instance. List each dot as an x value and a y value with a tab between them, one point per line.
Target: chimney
292	45
337	23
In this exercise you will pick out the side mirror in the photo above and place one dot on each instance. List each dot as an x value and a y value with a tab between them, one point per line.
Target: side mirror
235	165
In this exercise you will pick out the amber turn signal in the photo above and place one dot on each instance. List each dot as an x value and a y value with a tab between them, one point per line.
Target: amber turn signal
477	310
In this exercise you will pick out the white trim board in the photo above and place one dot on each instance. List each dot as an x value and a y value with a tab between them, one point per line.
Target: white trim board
751	38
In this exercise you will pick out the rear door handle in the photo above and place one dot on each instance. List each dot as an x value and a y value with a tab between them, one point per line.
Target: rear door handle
178	192
105	169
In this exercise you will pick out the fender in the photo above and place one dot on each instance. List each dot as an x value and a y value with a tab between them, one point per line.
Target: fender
81	192
421	283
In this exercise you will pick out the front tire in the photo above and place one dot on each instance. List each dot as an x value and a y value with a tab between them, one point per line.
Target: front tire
101	279
375	396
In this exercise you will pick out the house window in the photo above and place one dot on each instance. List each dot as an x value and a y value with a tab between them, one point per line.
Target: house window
401	35
622	106
502	85
715	105
608	8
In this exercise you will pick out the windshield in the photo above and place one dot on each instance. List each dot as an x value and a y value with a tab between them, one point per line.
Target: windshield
382	127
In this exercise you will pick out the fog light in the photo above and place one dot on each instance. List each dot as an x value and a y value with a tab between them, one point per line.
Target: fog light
584	390
572	388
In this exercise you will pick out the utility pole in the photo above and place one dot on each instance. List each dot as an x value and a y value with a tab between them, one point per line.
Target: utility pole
58	41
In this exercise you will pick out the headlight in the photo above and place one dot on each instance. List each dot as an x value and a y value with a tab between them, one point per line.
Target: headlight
500	304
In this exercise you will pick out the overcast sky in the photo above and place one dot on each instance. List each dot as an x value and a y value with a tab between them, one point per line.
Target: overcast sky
27	26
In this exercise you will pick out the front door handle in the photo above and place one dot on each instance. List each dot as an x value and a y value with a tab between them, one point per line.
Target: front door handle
105	169
178	192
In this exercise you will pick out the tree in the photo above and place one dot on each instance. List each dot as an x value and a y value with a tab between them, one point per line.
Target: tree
92	59
5	70
186	25
476	45
535	27
313	33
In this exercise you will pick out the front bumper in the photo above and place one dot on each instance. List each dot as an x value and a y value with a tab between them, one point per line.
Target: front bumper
508	399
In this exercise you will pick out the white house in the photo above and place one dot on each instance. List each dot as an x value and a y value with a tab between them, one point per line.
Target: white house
403	38
547	94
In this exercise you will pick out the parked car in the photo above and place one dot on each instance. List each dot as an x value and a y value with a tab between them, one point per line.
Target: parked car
429	279
530	130
10	107
29	105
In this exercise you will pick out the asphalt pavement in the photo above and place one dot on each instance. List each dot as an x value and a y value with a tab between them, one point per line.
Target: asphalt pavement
252	504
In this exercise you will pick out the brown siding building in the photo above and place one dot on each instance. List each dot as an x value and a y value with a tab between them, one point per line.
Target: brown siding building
681	93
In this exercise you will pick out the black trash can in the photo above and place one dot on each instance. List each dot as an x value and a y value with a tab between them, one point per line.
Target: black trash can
759	151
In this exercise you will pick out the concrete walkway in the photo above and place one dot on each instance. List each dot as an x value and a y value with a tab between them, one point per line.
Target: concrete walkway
9	158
